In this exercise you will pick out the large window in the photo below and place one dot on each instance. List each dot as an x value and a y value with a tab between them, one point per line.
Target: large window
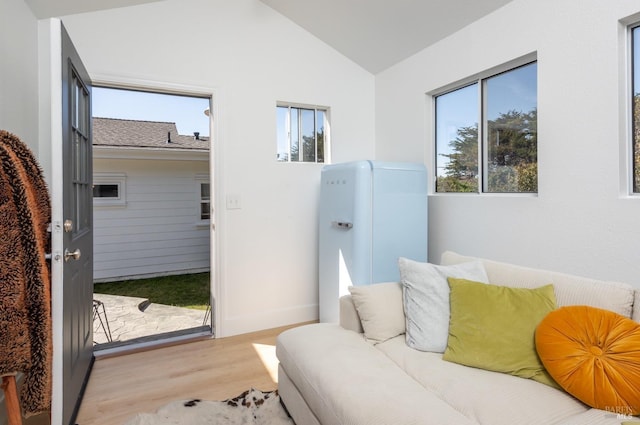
635	52
499	155
302	135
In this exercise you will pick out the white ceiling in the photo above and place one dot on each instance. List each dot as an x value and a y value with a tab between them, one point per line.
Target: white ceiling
52	8
373	33
379	33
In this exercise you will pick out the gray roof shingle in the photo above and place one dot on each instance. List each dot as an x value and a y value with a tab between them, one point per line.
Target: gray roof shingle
143	134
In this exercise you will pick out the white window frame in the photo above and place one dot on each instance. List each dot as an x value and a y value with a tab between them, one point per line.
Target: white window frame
629	99
119	179
200	180
325	125
479	79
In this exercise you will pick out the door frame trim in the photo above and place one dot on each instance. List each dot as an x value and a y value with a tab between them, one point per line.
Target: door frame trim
50	152
50	141
216	173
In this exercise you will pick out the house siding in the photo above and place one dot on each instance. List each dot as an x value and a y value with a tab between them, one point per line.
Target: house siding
158	231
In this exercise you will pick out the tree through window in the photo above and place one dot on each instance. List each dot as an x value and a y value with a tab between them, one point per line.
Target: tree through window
301	133
500	155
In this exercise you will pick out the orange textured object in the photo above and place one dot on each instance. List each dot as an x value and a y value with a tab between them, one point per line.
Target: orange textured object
594	355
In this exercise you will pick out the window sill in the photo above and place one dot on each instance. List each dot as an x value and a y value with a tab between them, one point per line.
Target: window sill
486	195
202	224
114	204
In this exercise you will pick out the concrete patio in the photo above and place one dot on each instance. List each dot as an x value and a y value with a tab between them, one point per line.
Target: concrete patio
126	320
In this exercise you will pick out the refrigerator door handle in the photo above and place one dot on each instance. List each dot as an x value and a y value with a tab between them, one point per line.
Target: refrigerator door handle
342	224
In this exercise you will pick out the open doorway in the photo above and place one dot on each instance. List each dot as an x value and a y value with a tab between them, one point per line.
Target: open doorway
152	216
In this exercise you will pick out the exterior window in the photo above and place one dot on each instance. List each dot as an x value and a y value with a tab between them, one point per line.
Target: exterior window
500	154
204	197
635	43
205	201
457	140
109	189
302	133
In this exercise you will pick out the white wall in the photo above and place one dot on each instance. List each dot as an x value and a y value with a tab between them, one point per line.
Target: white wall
252	57
158	231
19	71
581	221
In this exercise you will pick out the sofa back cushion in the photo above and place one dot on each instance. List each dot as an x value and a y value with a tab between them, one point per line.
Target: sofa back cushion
570	290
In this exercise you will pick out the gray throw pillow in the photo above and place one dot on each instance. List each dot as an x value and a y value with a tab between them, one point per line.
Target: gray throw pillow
425	293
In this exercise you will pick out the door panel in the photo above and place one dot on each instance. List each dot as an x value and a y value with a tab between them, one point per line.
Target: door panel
78	228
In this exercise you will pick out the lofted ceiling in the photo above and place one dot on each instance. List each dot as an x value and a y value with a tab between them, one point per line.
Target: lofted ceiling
379	33
375	34
54	8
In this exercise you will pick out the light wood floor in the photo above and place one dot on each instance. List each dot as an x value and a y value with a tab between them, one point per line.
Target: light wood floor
212	369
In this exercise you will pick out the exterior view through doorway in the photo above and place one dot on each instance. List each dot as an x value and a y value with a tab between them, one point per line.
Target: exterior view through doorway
152	216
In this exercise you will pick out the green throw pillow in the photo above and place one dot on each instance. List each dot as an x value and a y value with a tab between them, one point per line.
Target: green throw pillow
493	327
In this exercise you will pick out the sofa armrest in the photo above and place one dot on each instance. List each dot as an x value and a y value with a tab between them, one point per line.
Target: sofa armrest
349	318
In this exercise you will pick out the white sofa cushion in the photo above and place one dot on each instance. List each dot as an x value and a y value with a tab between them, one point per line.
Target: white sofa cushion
487	398
345	380
349	318
380	310
569	289
426	300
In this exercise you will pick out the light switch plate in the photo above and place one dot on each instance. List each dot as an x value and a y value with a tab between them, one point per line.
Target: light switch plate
233	202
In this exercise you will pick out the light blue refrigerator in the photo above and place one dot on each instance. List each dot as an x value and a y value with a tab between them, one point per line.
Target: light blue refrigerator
371	213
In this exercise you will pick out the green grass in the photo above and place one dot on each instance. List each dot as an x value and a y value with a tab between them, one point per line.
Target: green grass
188	290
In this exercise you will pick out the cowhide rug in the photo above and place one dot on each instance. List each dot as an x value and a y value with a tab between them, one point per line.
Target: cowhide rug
250	407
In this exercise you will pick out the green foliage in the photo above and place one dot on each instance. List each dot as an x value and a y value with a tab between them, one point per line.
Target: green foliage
527	177
309	149
462	168
188	290
512	144
454	184
512	156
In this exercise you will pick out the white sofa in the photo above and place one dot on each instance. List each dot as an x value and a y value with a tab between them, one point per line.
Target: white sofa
330	374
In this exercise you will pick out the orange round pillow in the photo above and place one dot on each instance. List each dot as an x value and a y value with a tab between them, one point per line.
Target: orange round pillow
594	355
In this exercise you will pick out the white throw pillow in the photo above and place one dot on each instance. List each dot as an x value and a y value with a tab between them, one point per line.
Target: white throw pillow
380	309
426	300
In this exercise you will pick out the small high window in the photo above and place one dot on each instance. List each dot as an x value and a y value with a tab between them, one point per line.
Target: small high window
109	189
302	133
486	134
205	201
204	197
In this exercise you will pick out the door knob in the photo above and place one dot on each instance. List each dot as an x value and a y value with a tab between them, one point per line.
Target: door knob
68	255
